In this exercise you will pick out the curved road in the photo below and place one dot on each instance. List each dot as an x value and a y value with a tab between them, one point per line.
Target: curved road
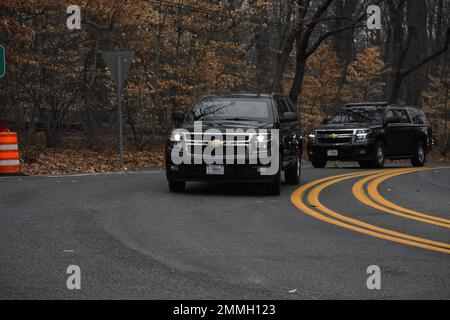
134	239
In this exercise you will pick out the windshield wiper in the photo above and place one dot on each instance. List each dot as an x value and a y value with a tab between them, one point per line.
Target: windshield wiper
240	119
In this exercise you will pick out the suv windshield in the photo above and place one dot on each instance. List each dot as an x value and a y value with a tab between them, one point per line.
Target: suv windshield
358	115
232	109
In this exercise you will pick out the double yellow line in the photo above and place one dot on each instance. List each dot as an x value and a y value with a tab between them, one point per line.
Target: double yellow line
306	198
373	199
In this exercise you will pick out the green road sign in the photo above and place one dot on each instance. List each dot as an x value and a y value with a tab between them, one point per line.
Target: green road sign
2	62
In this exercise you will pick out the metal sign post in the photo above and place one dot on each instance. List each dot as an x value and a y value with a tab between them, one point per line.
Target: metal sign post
119	63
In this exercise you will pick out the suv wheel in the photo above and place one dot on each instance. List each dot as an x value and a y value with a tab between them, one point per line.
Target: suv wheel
274	188
420	157
319	163
177	186
378	155
292	174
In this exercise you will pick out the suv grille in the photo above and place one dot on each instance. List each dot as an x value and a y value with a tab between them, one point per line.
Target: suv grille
335	136
339	132
335	140
235	140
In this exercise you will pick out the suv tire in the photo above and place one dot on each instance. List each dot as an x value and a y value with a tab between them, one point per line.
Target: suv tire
319	163
292	173
177	186
419	158
378	155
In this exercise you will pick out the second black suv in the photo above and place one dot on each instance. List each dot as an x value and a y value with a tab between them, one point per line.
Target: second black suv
370	133
245	126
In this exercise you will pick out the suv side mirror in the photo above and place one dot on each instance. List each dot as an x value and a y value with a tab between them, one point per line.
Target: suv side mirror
325	121
178	116
289	116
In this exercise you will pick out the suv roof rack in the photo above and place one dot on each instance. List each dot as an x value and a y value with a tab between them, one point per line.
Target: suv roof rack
241	94
368	104
406	106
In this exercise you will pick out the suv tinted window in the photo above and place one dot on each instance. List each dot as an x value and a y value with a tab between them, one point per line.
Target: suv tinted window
417	116
401	114
423	116
282	106
358	115
290	104
217	109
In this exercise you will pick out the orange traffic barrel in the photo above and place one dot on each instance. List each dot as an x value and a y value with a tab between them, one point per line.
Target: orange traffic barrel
9	153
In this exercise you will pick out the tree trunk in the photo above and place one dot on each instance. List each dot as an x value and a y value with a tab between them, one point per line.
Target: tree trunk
394	47
396	83
343	41
264	58
417	21
282	60
296	87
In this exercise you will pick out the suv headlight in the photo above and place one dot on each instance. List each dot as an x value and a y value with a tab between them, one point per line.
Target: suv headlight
262	138
261	142
176	136
363	135
312	136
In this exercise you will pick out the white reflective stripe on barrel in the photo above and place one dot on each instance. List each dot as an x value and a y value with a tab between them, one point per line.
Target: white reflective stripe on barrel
8	147
9	162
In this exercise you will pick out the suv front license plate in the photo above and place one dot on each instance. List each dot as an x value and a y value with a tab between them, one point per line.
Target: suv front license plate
332	153
215	169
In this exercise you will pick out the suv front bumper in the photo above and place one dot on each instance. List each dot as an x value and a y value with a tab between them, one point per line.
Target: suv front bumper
347	152
232	173
246	171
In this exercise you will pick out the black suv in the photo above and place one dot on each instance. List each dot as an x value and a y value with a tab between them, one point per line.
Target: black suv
370	133
236	130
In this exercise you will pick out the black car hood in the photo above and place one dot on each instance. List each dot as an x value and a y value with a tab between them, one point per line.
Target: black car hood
348	126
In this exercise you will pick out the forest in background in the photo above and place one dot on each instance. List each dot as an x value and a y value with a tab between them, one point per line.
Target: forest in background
60	98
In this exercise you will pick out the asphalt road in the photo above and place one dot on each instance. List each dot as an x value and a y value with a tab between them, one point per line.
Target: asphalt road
132	238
